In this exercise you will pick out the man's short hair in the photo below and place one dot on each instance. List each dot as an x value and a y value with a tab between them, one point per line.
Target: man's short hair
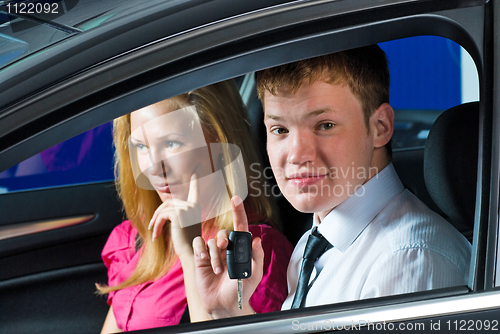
364	70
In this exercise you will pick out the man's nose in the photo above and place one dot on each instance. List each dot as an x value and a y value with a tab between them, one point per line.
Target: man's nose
302	148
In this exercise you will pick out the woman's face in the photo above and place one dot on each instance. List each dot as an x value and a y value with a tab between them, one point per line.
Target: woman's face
169	146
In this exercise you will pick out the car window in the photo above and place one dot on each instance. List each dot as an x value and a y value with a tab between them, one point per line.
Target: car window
417	105
428	75
52	21
16	37
85	158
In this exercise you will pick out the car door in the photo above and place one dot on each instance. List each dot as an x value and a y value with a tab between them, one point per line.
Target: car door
224	49
53	226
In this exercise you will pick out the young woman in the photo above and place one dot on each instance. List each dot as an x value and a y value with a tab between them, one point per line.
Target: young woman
178	163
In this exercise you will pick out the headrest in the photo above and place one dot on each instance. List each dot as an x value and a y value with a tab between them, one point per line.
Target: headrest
451	162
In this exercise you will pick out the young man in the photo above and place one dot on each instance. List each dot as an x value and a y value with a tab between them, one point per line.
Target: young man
329	126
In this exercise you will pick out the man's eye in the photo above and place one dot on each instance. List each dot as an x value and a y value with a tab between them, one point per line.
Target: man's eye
279	131
326	126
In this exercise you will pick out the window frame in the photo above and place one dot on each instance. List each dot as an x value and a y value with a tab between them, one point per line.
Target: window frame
210	54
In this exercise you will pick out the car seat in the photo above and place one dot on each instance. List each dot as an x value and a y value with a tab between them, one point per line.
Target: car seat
451	163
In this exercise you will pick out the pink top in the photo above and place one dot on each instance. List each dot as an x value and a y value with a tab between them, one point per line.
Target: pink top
162	302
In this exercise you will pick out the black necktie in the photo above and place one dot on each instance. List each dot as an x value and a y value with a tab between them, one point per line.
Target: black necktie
316	245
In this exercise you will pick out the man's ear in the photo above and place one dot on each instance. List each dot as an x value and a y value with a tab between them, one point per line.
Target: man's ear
382	123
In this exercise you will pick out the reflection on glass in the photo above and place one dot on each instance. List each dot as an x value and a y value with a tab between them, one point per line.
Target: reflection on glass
167	149
85	158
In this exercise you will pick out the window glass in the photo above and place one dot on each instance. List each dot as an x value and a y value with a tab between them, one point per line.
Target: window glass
87	157
20	37
428	75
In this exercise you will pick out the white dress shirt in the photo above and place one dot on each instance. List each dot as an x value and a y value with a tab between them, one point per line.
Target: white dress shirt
385	242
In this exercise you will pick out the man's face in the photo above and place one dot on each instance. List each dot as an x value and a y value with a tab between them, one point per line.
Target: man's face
319	146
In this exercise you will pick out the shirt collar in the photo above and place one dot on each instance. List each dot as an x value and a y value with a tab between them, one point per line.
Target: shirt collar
346	221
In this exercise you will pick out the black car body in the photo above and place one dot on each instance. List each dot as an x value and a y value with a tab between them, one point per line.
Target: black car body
101	60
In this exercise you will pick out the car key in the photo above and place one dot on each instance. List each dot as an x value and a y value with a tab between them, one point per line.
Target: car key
239	259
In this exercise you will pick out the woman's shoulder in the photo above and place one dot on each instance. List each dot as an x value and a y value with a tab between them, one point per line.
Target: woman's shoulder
263	229
122	237
270	235
119	254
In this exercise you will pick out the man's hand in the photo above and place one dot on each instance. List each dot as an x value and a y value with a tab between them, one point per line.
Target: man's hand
217	291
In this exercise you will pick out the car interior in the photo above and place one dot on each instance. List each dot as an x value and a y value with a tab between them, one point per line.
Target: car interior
49	277
450	165
430	172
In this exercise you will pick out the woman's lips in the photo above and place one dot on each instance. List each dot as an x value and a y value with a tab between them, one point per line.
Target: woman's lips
163	187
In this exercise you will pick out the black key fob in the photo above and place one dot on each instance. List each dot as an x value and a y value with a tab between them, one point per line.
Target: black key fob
239	255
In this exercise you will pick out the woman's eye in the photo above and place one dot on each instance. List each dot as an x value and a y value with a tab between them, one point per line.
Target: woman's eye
279	131
174	144
141	147
326	126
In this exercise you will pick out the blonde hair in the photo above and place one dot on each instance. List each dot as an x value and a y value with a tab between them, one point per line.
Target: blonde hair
222	116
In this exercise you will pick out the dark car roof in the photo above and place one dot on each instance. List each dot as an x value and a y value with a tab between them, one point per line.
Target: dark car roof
101	30
140	43
73	17
40	30
88	32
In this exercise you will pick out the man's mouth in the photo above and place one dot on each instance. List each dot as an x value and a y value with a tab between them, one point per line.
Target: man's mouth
305	179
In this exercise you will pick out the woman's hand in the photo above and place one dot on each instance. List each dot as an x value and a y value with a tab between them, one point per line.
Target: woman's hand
217	291
184	217
185	225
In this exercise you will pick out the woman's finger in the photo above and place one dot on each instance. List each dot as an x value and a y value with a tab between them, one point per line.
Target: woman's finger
200	248
222	239
153	219
157	212
194	189
257	258
158	224
215	258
